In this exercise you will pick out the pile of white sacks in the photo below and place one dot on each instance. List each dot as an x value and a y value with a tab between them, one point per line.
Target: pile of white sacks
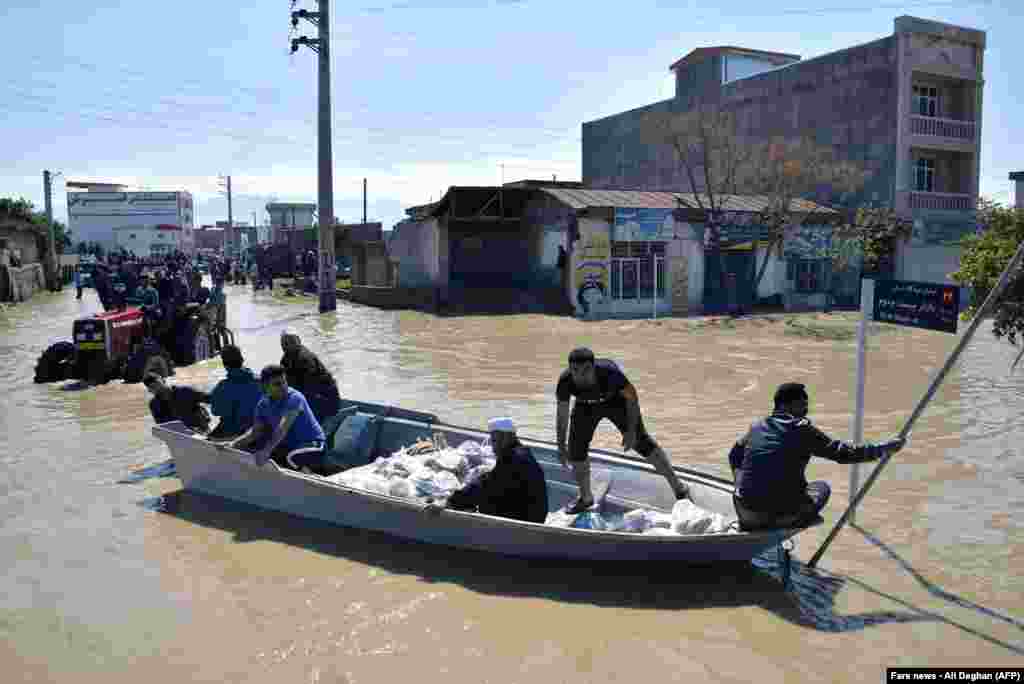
410	474
686	518
414	473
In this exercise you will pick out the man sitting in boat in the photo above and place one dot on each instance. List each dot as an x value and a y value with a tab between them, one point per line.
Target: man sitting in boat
515	488
602	391
284	427
179	402
768	464
308	375
235	398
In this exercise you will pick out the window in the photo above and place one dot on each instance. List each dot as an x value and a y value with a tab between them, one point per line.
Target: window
926	101
924	174
131	236
809	275
638	270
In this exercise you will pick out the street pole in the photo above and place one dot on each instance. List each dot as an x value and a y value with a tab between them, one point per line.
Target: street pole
52	273
325	181
364	200
231	218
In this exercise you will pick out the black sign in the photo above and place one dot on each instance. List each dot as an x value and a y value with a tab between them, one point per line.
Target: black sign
919	305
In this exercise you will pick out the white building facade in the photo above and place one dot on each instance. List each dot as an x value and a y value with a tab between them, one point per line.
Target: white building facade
111	218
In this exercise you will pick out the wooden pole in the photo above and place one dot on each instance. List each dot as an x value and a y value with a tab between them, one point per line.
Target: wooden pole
983	312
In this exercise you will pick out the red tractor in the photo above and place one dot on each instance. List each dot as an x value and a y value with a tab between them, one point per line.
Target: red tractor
125	344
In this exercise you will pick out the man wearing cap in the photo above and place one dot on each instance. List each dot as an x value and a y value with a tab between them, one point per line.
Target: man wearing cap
234	399
308	375
768	464
602	391
514	489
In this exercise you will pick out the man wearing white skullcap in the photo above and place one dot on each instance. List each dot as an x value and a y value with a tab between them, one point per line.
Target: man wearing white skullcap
515	488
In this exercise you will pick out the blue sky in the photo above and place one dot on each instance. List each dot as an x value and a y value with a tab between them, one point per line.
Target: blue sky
425	94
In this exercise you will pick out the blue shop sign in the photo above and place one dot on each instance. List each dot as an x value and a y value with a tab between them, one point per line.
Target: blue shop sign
644	225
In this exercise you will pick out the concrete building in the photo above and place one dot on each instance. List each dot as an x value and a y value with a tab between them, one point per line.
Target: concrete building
289	216
209	237
23	239
105	213
153	241
906	108
1018	191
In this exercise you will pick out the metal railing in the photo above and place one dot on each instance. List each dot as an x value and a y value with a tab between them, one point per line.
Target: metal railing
945	201
945	128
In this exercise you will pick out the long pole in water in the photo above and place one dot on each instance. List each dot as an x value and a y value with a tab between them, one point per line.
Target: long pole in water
983	312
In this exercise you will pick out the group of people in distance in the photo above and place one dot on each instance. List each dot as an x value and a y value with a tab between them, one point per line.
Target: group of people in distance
279	418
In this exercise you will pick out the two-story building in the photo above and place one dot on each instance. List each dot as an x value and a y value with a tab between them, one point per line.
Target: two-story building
142	222
906	108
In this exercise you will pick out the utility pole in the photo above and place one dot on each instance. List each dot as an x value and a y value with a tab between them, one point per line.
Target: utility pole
52	272
229	232
364	200
325	181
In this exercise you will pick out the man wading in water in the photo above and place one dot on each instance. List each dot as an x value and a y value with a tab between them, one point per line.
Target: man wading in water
602	391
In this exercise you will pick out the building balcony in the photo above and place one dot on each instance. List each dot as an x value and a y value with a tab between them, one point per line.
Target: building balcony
955	129
941	201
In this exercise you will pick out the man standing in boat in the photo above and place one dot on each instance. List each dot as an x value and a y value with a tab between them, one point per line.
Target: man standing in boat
514	489
309	376
602	391
284	427
768	464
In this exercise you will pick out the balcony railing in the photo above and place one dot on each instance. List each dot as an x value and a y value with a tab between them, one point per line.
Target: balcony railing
943	128
944	201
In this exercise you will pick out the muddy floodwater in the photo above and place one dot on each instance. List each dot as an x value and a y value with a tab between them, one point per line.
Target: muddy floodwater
110	573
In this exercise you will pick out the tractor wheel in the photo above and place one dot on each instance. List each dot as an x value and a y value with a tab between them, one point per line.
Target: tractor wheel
99	371
55	363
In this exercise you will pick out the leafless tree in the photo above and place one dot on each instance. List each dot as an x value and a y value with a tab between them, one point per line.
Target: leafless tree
719	162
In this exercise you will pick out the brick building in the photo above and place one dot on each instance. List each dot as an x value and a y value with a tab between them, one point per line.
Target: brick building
906	108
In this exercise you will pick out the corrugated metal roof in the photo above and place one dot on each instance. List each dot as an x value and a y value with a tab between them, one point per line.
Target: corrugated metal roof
639	199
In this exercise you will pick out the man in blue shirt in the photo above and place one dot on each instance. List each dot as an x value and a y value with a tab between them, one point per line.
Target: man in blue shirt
235	398
284	427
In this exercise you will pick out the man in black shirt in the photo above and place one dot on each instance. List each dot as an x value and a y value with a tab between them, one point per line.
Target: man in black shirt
177	403
602	391
768	464
515	488
309	376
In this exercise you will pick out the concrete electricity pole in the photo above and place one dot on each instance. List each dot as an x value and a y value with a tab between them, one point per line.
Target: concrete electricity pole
325	181
52	272
229	234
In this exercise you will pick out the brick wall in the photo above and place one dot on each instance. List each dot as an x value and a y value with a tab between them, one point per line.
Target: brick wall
847	99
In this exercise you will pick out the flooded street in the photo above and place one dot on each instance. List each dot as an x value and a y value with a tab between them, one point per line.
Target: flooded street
109	577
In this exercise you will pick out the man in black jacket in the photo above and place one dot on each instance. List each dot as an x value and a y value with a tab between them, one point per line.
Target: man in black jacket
177	403
768	464
309	376
514	489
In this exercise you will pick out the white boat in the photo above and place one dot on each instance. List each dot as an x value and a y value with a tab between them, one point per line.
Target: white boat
231	474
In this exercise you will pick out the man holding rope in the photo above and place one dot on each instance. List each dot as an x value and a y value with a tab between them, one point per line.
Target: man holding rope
768	464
